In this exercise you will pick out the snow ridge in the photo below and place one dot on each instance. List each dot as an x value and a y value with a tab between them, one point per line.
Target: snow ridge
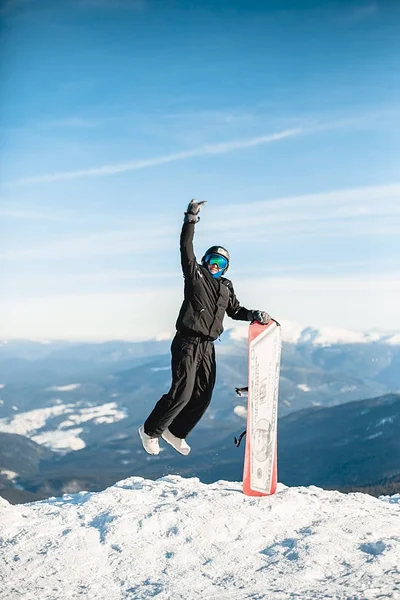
294	333
180	539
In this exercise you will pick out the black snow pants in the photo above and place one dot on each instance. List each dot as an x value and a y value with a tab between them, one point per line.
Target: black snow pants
193	379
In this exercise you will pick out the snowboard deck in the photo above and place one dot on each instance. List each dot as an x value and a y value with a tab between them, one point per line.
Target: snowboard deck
260	463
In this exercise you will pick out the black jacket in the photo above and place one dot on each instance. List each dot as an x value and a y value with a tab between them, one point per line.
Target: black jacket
205	299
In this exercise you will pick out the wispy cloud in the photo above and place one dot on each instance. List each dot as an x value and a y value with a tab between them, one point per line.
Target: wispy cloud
126	241
31	215
366	211
210	149
39	283
71	122
372	211
20	211
89	281
366	11
342	301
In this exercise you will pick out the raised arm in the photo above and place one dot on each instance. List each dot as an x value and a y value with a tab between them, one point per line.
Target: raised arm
188	259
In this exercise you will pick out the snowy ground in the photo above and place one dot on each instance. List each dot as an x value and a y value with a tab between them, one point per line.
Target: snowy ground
65	436
65	388
179	539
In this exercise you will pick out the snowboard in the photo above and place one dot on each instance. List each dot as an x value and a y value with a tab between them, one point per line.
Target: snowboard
260	462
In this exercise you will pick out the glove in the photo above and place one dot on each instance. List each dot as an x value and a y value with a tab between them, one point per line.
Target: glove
193	209
261	316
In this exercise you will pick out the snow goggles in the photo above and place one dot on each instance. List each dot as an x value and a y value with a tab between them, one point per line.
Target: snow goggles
217	259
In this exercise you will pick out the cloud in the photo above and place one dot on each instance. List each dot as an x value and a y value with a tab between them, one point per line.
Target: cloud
198	151
354	302
365	211
366	11
78	316
69	123
35	282
125	241
210	149
373	211
29	214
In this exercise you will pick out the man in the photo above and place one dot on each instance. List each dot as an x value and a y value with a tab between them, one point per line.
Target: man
208	295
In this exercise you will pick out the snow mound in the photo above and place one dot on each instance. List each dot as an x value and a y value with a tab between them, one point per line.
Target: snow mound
180	539
395	499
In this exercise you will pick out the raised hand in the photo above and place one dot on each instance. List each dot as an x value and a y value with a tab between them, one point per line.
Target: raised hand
193	209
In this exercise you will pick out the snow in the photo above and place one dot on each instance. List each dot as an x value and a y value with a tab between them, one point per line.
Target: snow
395	499
303	387
164	336
64	388
104	413
28	422
240	411
326	336
61	440
1	386
66	436
386	420
348	388
179	539
10	475
295	333
239	332
394	340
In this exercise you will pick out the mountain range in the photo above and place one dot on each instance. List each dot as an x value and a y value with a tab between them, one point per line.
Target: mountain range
73	409
352	445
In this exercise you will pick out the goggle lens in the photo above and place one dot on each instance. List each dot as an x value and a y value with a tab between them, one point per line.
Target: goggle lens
217	259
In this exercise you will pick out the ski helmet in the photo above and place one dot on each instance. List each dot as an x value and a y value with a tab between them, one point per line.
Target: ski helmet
221	252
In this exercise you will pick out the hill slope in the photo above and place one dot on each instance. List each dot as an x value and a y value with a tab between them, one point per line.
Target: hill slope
353	444
347	446
178	538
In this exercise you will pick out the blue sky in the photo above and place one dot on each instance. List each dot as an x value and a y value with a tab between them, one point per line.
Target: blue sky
114	114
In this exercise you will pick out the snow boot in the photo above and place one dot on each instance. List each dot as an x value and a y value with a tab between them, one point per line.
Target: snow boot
150	444
180	445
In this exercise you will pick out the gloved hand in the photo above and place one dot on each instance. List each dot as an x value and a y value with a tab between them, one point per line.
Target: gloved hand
261	316
193	209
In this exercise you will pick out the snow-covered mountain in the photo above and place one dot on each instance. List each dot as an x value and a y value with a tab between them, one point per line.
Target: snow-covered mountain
350	446
295	333
19	457
85	401
68	396
180	539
